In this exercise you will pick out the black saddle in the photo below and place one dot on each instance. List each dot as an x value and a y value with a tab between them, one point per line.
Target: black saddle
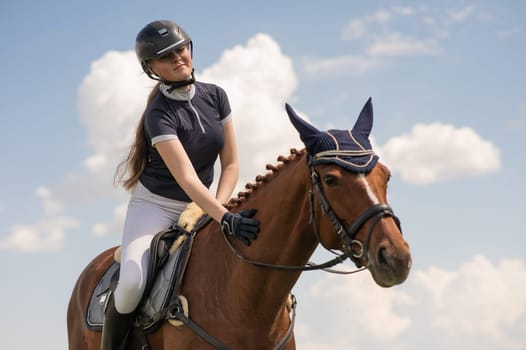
165	273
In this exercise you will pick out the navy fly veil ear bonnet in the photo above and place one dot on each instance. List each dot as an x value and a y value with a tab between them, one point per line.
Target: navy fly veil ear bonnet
350	149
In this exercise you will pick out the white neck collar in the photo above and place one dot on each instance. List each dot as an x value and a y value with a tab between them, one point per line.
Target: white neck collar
182	94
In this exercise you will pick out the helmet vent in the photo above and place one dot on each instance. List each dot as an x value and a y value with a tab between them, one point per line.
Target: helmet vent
163	32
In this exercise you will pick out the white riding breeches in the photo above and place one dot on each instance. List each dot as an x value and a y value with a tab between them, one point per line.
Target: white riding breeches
147	214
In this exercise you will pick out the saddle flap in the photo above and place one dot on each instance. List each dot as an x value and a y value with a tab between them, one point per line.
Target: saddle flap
100	295
154	307
166	270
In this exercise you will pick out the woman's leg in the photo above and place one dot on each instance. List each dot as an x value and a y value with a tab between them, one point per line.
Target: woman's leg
147	215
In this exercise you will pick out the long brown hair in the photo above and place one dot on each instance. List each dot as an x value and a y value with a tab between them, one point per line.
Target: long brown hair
130	169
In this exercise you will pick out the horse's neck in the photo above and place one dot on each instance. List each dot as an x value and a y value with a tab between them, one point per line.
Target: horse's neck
285	238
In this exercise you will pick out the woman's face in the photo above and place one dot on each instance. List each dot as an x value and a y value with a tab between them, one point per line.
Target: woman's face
175	65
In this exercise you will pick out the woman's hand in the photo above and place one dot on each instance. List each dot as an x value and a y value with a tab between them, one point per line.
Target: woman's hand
241	225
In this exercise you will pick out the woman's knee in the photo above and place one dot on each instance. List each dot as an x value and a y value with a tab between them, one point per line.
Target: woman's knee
130	289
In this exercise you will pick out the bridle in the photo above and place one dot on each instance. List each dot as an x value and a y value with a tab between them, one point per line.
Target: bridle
348	236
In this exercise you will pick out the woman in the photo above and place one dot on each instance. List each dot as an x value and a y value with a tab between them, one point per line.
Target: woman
185	127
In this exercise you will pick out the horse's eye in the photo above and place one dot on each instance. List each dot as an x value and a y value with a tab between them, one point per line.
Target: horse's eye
330	180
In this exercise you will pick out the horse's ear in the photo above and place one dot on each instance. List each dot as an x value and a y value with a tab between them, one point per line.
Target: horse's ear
305	129
364	124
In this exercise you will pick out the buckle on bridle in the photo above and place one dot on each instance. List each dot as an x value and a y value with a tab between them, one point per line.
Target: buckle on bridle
361	249
314	177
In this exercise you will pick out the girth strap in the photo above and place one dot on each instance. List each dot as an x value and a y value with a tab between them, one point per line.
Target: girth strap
178	313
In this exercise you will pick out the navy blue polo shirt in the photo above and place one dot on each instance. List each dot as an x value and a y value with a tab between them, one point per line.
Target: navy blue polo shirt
194	117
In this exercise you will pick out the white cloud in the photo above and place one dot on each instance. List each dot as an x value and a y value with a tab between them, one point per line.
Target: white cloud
257	98
358	28
508	32
111	99
439	152
460	15
479	298
380	16
355	29
380	41
374	305
50	204
45	235
382	38
404	10
396	44
96	162
480	304
341	65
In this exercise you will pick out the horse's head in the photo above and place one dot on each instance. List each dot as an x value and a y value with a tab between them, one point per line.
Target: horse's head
349	198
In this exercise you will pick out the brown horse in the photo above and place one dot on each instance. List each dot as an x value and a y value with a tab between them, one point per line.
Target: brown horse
300	203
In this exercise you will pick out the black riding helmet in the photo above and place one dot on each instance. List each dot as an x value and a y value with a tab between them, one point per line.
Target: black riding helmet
158	38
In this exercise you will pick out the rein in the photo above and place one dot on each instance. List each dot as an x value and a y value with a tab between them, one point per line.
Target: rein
377	212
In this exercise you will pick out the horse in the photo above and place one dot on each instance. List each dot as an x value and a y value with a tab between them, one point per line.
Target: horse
328	194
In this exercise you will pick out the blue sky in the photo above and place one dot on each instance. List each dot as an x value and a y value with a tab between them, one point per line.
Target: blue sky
447	82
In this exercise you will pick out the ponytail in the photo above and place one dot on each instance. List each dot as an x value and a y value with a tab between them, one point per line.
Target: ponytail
130	169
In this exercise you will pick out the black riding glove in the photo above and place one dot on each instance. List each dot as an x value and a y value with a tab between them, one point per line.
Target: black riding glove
241	225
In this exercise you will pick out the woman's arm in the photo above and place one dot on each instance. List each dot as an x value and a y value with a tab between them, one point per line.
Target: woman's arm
229	164
241	225
181	168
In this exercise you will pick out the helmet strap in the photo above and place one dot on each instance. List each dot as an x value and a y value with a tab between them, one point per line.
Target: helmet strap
178	84
173	84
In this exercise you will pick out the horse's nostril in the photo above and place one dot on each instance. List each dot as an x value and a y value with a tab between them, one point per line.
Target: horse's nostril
382	256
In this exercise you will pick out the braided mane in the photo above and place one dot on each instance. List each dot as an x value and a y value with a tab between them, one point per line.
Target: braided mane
263	179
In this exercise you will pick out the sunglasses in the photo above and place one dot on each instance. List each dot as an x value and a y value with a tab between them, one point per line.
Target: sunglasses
168	56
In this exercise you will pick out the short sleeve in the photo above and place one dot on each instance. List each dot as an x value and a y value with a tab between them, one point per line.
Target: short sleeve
225	113
160	126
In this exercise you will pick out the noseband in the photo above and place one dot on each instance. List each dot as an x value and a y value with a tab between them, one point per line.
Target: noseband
352	248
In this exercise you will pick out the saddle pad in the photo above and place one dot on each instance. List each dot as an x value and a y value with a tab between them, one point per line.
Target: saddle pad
99	297
151	310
